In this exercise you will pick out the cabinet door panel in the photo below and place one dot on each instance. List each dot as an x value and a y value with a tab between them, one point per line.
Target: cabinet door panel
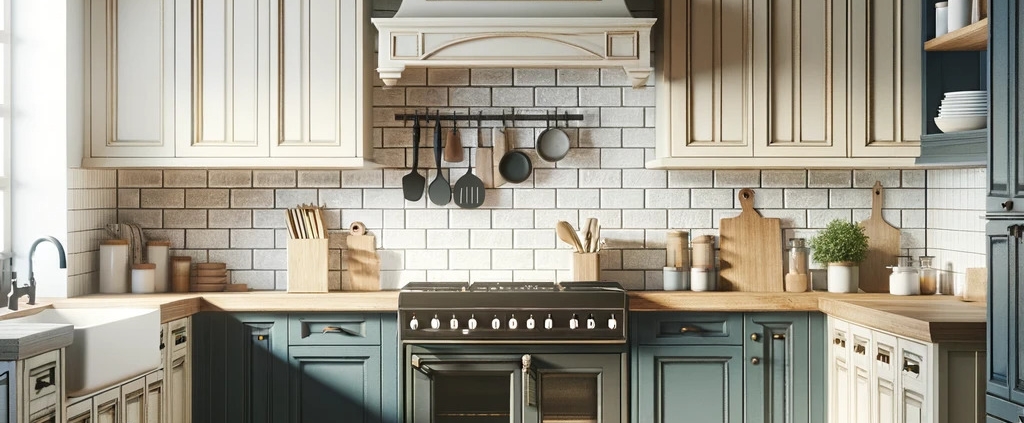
318	84
133	398
265	368
135	48
106	406
708	48
885	77
1002	271
776	390
329	381
691	383
231	72
795	76
839	371
860	372
155	397
885	373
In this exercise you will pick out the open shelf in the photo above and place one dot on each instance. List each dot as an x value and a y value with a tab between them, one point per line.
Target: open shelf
965	148
973	37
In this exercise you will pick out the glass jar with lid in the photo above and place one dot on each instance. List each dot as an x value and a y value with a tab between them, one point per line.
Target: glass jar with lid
928	275
797	279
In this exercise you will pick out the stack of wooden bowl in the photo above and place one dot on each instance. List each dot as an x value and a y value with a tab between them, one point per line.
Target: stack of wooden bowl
210	277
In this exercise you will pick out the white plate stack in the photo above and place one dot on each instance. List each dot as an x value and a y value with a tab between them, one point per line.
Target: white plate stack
963	111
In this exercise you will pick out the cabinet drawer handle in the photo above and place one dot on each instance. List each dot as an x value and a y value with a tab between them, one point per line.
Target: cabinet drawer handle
180	339
778	336
883	357
839	341
337	329
44	378
859	349
689	329
912	368
1007	205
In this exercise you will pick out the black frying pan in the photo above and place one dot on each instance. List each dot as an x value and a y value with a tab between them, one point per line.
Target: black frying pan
515	166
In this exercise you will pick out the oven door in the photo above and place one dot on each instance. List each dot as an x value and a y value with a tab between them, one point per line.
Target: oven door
534	387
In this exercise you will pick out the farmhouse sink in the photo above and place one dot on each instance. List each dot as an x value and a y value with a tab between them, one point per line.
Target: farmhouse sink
110	345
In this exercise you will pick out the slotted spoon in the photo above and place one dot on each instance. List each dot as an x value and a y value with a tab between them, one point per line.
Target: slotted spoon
469	190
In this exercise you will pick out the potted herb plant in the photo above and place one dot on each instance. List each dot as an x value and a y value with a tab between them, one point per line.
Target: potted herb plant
842	245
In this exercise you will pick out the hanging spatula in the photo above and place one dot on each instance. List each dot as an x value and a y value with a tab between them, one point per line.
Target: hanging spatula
440	191
469	190
413	183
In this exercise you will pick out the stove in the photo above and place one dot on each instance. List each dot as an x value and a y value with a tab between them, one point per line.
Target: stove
569	312
522	352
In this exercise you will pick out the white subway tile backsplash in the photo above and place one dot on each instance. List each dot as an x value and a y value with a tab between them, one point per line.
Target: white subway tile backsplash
426	96
273	178
806	198
534	199
252	238
128	198
426	219
556	97
638	97
849	198
185	178
612	77
533	77
207	238
234	259
600	178
446	76
645	219
339	198
491	76
139	178
783	178
690	218
817	178
690	178
252	198
469	259
890	178
579	198
162	198
623	158
600	97
711	198
512	97
469	97
614	198
578	76
319	179
555	178
549	218
230	218
183	218
143	218
622	117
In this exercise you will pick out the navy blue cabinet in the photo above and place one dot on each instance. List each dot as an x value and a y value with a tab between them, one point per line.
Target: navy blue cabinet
728	367
300	367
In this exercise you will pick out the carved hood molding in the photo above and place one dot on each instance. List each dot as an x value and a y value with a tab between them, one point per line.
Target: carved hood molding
514	33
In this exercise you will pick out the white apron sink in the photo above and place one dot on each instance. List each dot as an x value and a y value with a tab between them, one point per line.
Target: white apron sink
110	345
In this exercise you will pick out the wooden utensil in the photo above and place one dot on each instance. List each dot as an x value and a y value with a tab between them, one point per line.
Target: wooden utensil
469	190
883	246
588	235
440	191
453	145
413	183
750	250
363	263
484	162
499	148
568	235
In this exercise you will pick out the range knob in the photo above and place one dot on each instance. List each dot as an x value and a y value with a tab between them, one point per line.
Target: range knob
435	323
454	323
612	323
574	322
548	323
414	323
496	323
472	322
513	323
591	323
530	323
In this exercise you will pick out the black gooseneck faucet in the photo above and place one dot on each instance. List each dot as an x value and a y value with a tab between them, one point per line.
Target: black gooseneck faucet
30	290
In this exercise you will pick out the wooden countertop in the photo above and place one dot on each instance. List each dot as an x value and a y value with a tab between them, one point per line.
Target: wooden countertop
925	318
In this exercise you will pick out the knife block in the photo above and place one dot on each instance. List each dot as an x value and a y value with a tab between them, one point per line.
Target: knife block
586	266
307	265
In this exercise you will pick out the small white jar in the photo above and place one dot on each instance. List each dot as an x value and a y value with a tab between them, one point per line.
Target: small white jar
958	14
143	278
159	253
114	266
676	279
702	279
941	20
904	281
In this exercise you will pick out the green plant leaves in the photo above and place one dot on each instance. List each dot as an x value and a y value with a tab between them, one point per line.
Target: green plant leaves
840	241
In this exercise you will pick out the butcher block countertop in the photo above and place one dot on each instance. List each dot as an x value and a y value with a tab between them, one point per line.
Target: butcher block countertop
925	318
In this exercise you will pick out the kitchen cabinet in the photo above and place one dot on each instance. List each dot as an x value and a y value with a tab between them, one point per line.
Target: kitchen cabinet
226	84
32	389
776	389
728	367
1005	152
876	376
178	371
133	399
139	400
1005	372
156	400
754	84
106	406
299	367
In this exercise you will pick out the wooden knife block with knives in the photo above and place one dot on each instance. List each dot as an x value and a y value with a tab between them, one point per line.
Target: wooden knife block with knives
750	250
307	249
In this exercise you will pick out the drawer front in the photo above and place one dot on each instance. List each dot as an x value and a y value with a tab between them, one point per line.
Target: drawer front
43	375
689	328
333	329
177	335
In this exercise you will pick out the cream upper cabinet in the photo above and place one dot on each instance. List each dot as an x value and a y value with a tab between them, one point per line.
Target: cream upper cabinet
796	83
221	83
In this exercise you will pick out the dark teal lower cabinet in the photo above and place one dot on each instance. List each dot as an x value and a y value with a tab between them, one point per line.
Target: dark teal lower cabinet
247	369
784	367
689	384
722	367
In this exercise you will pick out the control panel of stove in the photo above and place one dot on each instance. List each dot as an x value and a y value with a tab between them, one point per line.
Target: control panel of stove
522	325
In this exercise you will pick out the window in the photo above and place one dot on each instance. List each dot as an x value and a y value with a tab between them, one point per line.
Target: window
5	125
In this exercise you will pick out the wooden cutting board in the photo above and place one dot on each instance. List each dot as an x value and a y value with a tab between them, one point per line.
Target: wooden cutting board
500	147
484	163
750	250
363	263
883	246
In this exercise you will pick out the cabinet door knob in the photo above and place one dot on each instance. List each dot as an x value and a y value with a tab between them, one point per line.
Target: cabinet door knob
755	361
755	337
689	329
778	336
1007	205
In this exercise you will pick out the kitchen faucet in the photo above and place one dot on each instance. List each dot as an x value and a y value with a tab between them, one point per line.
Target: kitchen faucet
30	290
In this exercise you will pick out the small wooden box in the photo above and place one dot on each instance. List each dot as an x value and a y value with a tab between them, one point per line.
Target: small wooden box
307	265
586	266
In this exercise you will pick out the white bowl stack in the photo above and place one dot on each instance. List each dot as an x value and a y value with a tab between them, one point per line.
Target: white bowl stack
963	111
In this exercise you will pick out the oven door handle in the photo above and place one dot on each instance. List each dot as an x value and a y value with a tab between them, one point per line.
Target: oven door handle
417	363
529	382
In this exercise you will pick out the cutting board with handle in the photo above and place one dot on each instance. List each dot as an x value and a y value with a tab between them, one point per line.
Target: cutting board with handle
363	263
883	246
750	250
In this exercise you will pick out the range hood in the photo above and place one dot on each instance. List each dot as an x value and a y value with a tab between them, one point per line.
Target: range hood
514	33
